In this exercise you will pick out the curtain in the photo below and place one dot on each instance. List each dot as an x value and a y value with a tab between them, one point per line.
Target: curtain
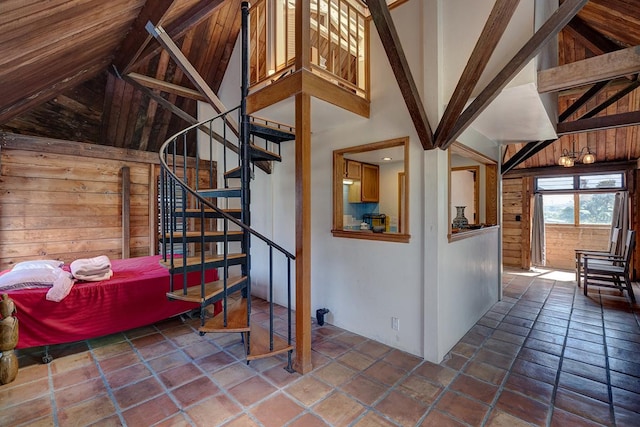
538	250
620	218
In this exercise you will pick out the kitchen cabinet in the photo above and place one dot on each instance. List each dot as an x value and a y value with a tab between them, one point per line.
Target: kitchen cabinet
370	183
367	189
352	169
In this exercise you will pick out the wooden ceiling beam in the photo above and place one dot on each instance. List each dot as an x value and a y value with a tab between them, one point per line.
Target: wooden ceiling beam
599	123
138	38
567	10
179	27
491	34
604	67
395	53
163	86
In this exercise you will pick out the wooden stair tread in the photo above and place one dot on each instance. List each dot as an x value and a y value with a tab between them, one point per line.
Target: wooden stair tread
236	319
211	289
197	260
264	154
259	343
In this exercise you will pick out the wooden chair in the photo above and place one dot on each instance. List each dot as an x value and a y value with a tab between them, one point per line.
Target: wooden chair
613	275
614	249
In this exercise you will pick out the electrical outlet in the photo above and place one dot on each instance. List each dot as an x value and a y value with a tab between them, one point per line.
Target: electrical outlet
395	323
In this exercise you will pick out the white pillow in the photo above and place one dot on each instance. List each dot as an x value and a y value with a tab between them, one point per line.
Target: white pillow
38	263
29	277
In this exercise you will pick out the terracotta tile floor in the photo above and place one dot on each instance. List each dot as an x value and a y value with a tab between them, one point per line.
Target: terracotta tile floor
544	355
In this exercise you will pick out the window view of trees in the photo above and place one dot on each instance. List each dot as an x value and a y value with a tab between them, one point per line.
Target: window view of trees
579	207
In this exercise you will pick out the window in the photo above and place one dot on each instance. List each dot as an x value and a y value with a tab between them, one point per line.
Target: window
579	199
370	191
473	192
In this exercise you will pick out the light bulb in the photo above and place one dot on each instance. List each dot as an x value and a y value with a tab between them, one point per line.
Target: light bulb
568	162
588	159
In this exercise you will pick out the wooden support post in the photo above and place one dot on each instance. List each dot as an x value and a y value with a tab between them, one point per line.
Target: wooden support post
302	362
126	211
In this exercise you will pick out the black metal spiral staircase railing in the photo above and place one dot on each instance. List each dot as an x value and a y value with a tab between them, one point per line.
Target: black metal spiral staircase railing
206	230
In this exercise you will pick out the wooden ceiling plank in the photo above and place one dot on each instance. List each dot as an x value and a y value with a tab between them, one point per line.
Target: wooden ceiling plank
591	70
178	27
138	38
567	10
590	38
631	118
217	74
226	36
491	34
209	37
43	14
59	32
30	80
395	53
191	73
50	91
164	86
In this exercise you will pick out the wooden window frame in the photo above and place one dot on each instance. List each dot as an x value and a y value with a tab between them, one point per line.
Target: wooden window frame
338	168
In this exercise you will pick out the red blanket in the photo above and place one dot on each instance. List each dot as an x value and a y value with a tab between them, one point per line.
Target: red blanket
135	296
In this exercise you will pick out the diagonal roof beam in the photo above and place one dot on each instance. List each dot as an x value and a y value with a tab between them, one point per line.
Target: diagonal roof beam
495	26
138	38
189	70
608	66
392	46
567	10
178	27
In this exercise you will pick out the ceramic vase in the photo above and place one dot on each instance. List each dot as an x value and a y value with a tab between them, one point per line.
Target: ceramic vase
460	221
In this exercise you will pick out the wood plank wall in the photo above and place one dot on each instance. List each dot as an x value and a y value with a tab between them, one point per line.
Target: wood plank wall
515	223
562	240
63	200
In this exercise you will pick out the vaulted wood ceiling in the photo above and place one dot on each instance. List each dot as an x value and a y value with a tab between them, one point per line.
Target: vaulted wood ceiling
61	61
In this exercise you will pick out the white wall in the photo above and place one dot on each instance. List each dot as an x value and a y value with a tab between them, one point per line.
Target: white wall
389	187
437	289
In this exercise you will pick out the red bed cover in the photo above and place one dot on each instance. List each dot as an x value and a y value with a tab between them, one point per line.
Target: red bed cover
135	296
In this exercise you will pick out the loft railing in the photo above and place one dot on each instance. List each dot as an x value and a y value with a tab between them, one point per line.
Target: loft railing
338	38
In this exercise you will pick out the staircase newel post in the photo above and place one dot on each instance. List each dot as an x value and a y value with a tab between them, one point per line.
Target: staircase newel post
245	170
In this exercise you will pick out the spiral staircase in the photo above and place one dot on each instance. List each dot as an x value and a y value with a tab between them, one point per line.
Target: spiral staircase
206	227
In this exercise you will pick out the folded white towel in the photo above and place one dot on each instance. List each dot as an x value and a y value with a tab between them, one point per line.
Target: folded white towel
92	269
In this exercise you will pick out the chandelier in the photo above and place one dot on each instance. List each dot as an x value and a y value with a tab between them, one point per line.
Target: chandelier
569	158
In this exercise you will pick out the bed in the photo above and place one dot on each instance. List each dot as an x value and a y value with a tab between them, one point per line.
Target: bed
134	296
